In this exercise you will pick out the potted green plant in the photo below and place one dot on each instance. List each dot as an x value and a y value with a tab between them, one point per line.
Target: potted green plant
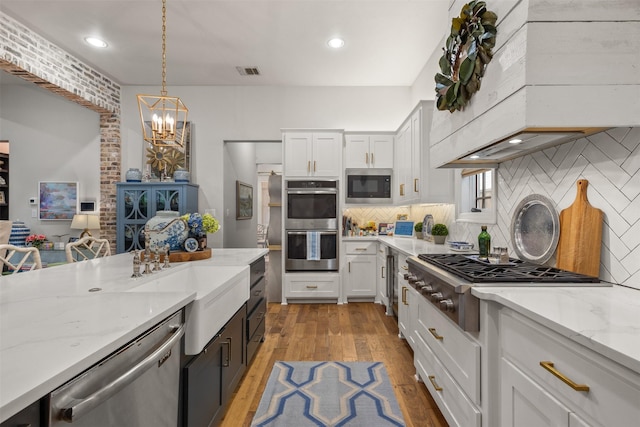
439	233
418	229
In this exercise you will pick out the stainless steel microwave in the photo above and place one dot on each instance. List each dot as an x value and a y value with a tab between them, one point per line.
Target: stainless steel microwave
369	186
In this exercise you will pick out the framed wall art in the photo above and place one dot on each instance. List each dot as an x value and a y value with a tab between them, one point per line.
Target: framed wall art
58	200
244	200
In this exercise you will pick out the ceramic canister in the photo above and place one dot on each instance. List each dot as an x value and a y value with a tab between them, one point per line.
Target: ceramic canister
133	175
167	228
181	175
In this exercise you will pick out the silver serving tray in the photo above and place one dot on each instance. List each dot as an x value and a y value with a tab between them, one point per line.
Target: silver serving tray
535	229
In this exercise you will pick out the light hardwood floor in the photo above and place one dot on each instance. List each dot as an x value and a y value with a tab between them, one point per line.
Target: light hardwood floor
349	332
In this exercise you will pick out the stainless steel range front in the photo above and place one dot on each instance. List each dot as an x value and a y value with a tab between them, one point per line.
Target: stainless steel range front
446	281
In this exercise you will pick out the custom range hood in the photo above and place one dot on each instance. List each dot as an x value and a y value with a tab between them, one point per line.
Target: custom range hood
561	71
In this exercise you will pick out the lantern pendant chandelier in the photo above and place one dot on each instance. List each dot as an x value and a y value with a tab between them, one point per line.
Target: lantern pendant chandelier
163	117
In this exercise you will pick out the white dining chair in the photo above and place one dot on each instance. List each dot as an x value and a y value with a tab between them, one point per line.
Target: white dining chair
29	257
86	248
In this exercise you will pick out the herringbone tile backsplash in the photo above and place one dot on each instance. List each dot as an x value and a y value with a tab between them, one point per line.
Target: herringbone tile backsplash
610	161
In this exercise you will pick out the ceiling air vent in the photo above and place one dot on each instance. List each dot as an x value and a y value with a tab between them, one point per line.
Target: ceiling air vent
248	71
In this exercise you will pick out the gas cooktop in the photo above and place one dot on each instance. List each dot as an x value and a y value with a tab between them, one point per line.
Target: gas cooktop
476	271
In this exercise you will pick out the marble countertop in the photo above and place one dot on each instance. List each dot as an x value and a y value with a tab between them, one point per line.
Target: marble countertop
52	327
606	319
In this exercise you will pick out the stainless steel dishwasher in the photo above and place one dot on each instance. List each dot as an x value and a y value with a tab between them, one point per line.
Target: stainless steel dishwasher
136	386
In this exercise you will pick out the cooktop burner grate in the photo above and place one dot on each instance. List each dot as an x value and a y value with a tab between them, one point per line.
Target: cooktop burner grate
517	271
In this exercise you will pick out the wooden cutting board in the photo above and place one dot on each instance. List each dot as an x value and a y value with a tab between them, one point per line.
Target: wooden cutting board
580	235
181	256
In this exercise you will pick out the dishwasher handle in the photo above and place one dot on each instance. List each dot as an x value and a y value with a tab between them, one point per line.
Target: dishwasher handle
89	403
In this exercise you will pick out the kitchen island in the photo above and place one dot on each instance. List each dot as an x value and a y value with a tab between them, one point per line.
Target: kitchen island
55	323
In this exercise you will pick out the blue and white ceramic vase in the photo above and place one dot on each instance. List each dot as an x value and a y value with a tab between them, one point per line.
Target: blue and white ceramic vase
181	175
134	175
19	233
167	228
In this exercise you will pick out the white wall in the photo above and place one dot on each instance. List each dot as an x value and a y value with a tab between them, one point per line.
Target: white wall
51	139
259	113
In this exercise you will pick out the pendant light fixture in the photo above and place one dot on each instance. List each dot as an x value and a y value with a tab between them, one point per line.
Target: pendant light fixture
163	117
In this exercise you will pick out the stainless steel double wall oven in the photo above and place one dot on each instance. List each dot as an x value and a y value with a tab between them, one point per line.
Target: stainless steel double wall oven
311	218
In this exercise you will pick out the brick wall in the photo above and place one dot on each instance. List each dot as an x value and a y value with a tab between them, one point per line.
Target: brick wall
29	56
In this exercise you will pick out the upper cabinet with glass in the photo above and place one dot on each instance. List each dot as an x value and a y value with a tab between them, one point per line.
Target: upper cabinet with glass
476	195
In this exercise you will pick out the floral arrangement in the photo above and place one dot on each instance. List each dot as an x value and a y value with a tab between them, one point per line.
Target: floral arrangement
35	240
199	225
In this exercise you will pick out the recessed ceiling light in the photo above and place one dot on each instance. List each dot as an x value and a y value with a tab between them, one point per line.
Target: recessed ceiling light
336	43
515	141
474	156
96	42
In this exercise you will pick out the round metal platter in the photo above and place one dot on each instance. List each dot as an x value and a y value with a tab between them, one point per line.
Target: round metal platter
535	229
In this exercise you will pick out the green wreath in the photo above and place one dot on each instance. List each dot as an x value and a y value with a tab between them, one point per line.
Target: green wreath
467	52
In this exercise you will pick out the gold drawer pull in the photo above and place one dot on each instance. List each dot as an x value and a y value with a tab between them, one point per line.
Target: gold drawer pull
435	385
312	286
360	249
415	185
435	334
577	387
404	295
404	267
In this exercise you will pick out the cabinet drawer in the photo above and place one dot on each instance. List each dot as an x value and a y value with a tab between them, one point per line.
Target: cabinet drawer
458	352
256	293
613	395
256	317
313	287
361	248
451	399
255	341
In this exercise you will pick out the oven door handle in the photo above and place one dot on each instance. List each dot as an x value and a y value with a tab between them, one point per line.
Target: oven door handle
87	404
314	192
322	233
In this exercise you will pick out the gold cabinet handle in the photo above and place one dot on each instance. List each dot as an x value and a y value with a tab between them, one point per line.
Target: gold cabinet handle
314	165
308	165
366	158
402	189
404	295
382	272
435	385
577	387
312	286
371	158
360	249
349	266
415	185
435	334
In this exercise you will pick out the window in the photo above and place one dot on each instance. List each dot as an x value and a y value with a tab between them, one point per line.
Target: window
476	195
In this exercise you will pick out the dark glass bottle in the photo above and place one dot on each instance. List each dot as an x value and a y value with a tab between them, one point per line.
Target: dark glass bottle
484	243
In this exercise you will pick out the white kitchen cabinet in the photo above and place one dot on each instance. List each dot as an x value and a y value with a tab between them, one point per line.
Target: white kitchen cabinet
416	181
311	286
381	275
363	151
546	376
360	270
408	302
317	154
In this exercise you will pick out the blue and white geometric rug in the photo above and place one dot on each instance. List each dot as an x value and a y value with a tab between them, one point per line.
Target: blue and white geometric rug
328	394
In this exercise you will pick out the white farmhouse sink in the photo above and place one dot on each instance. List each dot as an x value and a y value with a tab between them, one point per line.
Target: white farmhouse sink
220	292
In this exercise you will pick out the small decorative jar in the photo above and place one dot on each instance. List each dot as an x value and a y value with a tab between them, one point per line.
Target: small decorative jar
181	175
134	175
167	228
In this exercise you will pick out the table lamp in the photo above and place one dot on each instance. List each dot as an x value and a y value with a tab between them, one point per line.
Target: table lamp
85	223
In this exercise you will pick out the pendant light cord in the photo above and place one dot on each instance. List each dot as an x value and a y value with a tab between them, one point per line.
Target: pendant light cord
164	48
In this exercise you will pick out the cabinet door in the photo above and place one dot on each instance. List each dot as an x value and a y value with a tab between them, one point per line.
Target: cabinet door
381	151
203	386
168	198
327	154
133	212
402	161
233	353
361	276
403	306
356	151
381	276
416	159
525	404
297	154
